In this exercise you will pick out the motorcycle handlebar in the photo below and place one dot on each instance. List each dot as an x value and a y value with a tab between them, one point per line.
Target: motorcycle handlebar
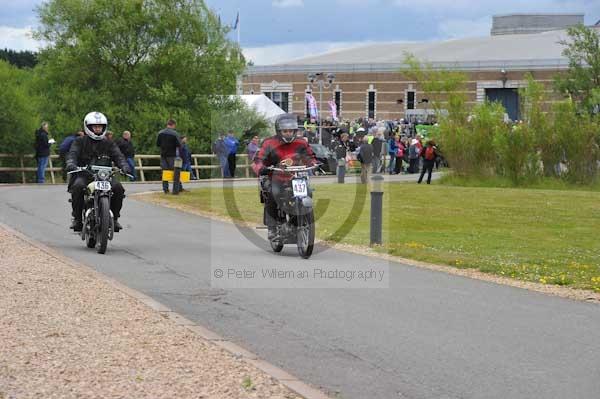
88	169
291	169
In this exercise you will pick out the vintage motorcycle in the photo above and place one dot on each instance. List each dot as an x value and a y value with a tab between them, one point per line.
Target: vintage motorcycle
98	221
295	207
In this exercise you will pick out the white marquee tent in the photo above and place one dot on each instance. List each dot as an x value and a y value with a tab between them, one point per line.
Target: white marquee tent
263	105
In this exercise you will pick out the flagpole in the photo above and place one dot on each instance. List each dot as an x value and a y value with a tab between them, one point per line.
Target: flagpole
238	29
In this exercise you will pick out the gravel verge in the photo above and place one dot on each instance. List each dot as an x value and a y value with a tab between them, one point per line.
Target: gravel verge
65	333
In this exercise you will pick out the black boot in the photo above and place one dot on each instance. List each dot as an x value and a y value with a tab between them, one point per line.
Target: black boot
272	232
76	225
117	225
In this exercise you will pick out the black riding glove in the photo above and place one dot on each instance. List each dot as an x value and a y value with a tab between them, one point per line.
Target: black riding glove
264	171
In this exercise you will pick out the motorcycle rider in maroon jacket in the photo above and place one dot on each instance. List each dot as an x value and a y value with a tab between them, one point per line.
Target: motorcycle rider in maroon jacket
281	150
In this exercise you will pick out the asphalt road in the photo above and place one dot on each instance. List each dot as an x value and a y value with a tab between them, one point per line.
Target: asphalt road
429	335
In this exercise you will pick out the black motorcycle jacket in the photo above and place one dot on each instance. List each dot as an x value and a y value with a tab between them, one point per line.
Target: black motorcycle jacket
86	151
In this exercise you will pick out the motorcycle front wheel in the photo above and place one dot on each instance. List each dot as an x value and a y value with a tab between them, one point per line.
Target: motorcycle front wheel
276	245
104	209
306	234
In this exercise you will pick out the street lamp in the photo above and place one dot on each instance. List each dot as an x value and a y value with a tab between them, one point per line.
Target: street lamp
503	77
322	82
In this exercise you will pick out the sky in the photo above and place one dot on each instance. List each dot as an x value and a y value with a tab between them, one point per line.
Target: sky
275	31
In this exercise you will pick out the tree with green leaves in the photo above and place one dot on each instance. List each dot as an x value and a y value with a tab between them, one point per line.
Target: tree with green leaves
582	81
20	59
18	117
139	62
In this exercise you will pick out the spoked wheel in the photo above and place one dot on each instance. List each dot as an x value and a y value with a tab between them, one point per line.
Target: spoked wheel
104	209
306	234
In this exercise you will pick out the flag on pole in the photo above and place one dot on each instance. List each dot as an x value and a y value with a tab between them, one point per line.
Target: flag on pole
313	111
237	21
333	108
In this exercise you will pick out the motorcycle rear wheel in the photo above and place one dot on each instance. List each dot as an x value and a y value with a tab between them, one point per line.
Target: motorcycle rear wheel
306	234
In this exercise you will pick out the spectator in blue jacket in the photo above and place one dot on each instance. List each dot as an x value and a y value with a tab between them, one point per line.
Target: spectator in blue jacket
63	150
232	144
392	152
220	150
186	156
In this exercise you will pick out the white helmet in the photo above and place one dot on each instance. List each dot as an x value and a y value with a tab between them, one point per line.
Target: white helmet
95	118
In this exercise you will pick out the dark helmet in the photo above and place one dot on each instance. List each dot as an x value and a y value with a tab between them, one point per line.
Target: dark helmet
286	122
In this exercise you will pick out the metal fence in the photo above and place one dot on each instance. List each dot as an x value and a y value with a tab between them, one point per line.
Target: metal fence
144	163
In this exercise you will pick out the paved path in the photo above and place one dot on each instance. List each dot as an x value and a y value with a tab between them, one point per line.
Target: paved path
430	335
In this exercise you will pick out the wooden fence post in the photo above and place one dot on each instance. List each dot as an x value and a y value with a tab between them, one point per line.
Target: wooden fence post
23	170
196	167
141	168
51	170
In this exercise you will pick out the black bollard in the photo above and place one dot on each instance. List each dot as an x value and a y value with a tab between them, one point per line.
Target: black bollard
341	170
376	209
177	175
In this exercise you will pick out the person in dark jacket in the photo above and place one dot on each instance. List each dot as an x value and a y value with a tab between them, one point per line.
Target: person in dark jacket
378	143
170	144
128	151
42	151
343	146
429	154
94	149
63	150
365	156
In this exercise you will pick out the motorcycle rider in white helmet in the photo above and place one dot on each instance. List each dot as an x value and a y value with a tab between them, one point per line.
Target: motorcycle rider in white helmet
94	149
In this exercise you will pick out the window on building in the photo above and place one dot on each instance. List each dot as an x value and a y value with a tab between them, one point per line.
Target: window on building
280	98
410	100
371	104
338	102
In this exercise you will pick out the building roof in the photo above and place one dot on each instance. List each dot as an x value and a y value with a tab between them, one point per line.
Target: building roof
513	24
525	51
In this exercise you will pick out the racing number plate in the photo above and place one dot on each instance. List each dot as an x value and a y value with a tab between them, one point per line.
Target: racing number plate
102	185
300	188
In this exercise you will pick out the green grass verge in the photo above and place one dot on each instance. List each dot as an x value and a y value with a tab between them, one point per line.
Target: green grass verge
547	236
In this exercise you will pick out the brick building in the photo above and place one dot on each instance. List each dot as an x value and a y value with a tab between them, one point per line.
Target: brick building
369	82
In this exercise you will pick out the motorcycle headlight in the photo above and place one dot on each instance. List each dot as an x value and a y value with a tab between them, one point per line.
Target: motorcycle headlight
103	174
